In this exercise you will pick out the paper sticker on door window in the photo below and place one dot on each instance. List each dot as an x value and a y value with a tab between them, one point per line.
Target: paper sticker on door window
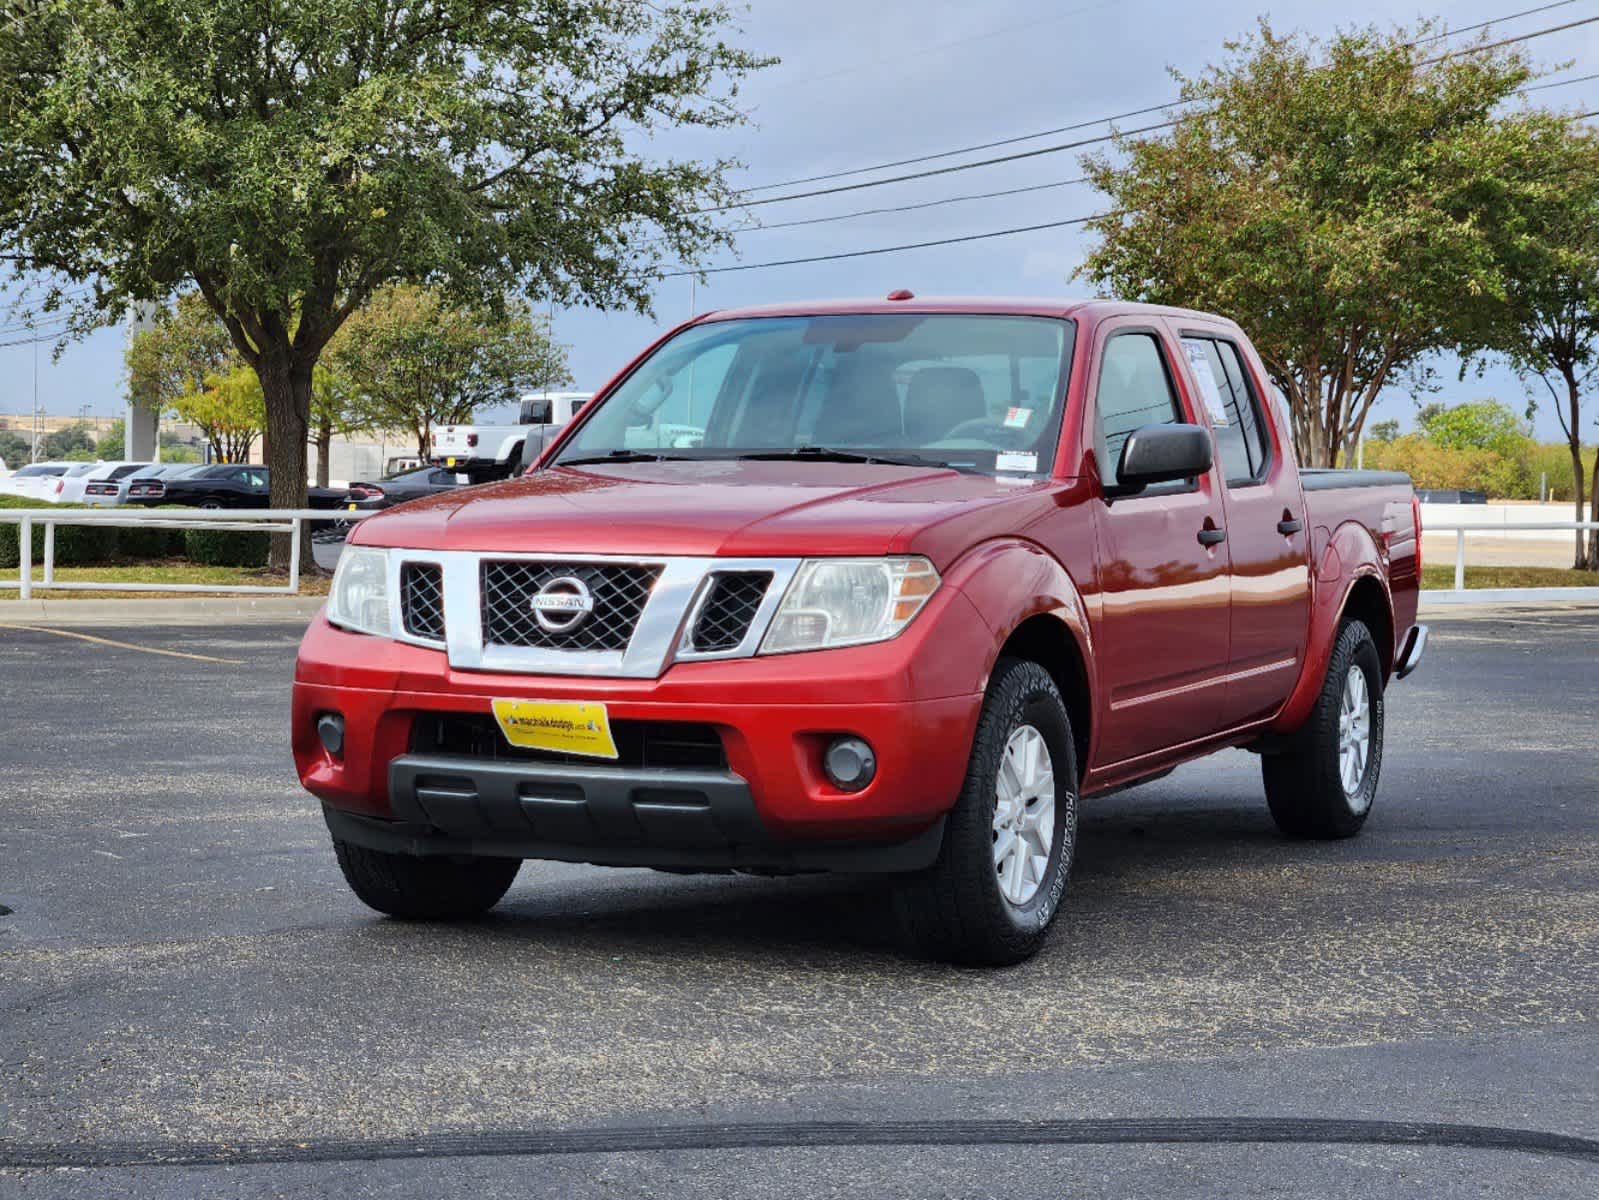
1015	460
1199	352
1017	418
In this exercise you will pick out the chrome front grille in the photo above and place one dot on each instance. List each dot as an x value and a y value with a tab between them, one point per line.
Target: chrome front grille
618	593
729	609
638	617
422	600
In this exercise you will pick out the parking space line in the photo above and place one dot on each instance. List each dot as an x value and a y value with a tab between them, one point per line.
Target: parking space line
88	637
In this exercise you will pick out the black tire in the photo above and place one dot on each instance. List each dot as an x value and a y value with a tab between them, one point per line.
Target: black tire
424	889
956	911
1304	787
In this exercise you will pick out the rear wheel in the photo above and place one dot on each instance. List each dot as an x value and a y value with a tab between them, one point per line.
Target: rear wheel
1323	784
1008	842
407	885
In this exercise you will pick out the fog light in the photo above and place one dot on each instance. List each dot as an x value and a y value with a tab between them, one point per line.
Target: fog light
330	728
849	763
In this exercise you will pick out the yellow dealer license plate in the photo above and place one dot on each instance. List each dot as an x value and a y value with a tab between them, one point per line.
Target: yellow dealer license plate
565	726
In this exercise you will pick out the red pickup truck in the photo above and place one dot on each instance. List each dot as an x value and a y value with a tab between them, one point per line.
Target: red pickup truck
884	586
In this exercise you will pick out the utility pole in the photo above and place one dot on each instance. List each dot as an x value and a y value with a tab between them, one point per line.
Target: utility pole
38	416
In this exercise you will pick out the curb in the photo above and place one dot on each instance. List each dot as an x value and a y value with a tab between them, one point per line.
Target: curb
212	610
1508	597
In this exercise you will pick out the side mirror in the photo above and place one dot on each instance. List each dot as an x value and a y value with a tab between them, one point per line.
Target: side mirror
1160	454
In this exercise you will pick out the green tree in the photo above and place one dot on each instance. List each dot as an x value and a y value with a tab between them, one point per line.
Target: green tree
1546	232
229	411
289	159
1476	425
1326	195
70	440
182	348
15	450
1384	431
417	361
114	444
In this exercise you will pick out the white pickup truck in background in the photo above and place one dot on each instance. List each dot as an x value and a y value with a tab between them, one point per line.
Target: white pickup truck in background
487	452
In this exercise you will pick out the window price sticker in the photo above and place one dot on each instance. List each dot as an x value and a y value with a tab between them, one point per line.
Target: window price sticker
1017	418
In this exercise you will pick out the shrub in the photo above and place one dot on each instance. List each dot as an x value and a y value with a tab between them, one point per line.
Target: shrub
153	543
227	547
76	545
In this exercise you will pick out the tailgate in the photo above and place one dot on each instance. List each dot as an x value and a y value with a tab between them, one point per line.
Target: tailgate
459	441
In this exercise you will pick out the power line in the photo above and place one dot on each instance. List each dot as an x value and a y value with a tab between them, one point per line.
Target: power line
982	162
1540	87
950	241
970	237
1037	187
883	166
1510	41
1526	12
921	158
870	212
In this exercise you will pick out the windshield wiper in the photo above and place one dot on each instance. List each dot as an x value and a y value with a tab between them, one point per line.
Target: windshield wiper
622	456
828	454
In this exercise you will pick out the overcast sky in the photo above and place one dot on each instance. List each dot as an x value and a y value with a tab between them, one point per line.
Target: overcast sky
867	81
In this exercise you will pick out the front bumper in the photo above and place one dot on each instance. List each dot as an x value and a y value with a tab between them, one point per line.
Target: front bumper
771	807
616	817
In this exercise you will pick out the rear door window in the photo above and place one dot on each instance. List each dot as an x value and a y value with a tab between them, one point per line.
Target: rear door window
1234	409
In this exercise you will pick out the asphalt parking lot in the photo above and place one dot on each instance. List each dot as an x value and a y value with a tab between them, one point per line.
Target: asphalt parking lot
184	975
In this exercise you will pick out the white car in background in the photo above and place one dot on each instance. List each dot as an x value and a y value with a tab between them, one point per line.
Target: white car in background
41	481
70	488
108	482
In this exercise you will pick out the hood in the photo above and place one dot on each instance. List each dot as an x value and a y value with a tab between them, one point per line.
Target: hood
709	508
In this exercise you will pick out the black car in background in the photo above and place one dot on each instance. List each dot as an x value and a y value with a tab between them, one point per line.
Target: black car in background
225	485
399	487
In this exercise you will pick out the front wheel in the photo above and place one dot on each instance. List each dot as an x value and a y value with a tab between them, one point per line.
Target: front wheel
424	889
996	888
1323	784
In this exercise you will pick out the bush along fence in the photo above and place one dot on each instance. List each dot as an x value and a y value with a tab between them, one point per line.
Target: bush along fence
75	535
99	545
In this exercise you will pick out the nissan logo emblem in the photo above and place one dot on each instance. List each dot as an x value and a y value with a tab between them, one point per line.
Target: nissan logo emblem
562	604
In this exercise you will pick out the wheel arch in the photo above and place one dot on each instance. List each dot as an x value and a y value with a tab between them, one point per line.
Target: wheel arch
1045	639
1035	611
1350	581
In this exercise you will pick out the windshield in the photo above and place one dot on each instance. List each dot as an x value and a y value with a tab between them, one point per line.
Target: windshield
980	393
35	471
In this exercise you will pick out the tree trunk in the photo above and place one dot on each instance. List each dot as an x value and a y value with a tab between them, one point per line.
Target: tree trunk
1574	444
324	448
1593	515
286	387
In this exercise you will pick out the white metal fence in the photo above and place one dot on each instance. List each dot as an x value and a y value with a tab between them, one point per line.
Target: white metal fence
293	522
289	521
1499	527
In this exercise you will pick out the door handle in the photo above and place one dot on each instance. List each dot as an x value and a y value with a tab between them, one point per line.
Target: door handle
1212	537
1289	525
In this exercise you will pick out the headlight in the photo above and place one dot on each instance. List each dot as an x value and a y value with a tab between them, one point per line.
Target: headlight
848	601
359	599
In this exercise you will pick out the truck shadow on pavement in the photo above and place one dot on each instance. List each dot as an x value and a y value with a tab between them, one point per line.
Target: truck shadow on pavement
698	915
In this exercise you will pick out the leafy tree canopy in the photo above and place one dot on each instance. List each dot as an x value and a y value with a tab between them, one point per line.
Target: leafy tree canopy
229	411
1331	196
72	440
417	361
1475	425
289	159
